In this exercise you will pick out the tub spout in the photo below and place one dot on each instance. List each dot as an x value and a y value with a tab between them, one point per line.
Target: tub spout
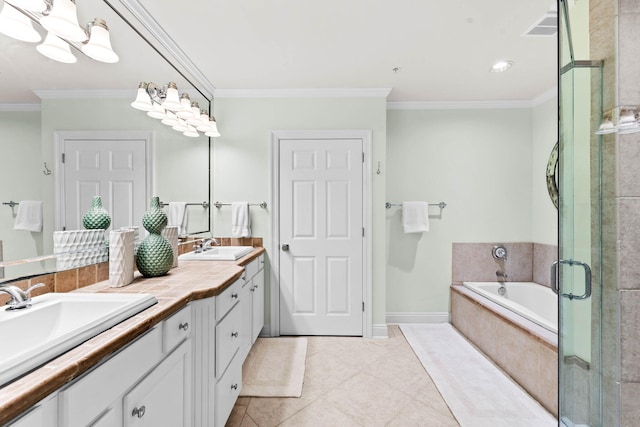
501	275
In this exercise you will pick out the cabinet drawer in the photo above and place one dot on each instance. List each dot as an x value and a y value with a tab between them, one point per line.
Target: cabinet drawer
228	299
229	336
85	399
227	391
176	329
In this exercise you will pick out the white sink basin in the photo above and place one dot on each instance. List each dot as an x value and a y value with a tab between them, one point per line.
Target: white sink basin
57	322
218	253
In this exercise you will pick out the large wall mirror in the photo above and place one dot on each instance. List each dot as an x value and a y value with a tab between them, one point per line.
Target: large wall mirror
49	108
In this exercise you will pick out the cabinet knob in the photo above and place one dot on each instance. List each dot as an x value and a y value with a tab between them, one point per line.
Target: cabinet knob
253	289
184	326
234	295
138	412
234	334
234	386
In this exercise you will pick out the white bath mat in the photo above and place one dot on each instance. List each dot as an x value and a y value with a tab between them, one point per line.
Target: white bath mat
275	368
477	392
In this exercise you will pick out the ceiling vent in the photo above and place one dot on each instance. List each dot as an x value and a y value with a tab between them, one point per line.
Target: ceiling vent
546	26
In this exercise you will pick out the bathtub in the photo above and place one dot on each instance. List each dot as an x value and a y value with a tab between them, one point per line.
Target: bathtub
530	300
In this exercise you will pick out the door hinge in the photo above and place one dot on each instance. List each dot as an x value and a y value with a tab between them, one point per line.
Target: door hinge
63	157
363	306
64	228
363	157
362	231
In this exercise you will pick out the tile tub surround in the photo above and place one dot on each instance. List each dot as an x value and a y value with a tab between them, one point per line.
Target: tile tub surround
192	280
526	262
527	352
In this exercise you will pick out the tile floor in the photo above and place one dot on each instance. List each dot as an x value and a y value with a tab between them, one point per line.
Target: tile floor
364	382
354	382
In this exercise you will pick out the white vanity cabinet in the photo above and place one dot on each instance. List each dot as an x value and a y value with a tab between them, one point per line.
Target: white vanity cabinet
152	375
253	304
43	413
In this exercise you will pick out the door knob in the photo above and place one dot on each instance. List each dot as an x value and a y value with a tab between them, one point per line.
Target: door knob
285	247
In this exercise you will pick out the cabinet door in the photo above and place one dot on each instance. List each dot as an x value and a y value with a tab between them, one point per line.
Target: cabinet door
42	414
257	306
163	398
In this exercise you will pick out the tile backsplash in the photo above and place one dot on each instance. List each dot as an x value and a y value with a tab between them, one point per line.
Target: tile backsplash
526	262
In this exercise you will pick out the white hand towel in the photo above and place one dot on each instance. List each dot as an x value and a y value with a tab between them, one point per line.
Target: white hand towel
240	222
178	217
29	217
415	217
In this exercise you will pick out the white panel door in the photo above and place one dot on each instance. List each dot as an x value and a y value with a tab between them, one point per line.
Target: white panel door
114	169
321	219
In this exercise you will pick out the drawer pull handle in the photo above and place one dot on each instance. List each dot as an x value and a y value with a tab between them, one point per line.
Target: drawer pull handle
234	386
234	334
184	326
234	295
138	412
253	289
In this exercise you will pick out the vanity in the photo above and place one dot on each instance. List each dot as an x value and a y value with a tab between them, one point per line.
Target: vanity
177	363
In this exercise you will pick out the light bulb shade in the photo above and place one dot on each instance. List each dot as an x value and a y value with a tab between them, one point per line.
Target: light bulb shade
99	45
62	20
170	119
57	49
142	101
185	107
204	125
181	126
213	131
191	132
33	5
194	120
157	112
15	24
172	100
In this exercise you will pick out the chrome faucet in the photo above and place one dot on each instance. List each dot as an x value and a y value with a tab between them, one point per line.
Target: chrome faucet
208	243
19	298
501	275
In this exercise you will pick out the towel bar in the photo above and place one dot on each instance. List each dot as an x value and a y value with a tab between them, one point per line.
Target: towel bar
11	203
441	205
263	205
204	204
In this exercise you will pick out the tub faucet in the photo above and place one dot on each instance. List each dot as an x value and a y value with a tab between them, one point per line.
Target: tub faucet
19	298
501	275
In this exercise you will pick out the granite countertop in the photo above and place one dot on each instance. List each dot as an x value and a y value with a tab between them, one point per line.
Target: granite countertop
191	280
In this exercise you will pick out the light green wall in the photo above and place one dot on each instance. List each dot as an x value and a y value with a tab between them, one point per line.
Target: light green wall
544	135
477	161
242	168
21	172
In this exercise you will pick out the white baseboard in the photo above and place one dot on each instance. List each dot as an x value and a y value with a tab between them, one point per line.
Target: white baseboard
380	331
266	331
394	318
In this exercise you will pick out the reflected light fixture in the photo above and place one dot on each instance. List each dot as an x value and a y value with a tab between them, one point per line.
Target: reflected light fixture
17	25
59	18
175	110
628	122
501	66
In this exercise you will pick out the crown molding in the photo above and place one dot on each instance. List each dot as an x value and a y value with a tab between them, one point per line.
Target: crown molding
303	93
19	107
456	105
545	96
84	93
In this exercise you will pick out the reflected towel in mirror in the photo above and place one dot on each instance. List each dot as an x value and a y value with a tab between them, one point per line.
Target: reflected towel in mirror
29	217
177	216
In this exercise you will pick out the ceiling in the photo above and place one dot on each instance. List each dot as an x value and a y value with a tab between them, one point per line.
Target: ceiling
442	49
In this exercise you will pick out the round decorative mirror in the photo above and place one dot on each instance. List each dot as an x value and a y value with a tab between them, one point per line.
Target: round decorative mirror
552	175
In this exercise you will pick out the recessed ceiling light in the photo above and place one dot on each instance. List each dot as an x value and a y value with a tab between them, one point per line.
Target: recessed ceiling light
501	66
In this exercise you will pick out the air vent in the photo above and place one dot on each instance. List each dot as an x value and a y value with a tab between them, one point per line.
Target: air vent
544	27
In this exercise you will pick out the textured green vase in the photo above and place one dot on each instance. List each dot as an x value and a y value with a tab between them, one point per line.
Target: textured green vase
97	217
155	255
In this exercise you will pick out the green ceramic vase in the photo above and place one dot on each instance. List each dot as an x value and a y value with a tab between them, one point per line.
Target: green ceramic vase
97	217
155	255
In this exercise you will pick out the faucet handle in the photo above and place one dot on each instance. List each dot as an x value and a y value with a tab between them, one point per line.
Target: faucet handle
31	288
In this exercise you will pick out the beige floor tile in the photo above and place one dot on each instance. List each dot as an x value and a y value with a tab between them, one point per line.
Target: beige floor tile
320	414
267	411
367	399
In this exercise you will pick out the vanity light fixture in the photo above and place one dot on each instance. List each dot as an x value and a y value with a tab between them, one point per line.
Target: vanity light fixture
60	19
174	109
501	66
628	122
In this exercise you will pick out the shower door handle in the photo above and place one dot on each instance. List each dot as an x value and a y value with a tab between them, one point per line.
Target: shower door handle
571	263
